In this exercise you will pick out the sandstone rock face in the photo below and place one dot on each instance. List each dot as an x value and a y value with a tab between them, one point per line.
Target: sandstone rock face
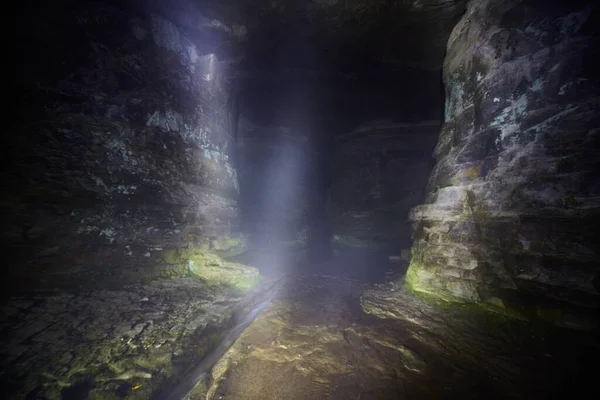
514	198
379	172
119	149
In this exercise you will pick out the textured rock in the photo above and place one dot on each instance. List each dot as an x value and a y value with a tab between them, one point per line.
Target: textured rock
314	341
216	272
108	343
379	172
119	148
513	201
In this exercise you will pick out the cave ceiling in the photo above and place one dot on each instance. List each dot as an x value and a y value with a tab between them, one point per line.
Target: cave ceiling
311	53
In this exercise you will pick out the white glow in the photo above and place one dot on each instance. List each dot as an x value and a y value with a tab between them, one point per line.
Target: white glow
210	64
281	198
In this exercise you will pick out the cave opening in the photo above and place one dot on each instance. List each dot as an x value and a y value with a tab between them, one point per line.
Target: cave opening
280	199
362	153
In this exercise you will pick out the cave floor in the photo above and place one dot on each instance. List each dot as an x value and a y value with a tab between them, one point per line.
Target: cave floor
314	341
319	337
111	343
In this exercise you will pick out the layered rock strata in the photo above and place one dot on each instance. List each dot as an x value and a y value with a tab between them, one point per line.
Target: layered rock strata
119	148
513	201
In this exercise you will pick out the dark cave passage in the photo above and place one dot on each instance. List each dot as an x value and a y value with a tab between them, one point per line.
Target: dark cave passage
324	199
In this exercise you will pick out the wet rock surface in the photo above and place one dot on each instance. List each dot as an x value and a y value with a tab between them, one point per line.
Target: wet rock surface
330	337
512	205
105	344
118	147
317	336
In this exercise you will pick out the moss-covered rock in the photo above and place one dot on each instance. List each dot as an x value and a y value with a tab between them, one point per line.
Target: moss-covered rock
125	343
425	279
229	246
212	268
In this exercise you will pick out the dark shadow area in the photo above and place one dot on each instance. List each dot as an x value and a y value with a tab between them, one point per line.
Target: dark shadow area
77	391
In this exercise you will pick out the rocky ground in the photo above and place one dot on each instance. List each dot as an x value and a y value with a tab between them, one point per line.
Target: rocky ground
316	342
319	337
104	344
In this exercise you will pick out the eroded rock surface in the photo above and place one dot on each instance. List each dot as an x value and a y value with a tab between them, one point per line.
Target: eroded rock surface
512	209
119	148
315	341
107	344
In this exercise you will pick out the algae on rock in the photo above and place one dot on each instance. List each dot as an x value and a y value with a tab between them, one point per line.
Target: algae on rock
213	269
229	247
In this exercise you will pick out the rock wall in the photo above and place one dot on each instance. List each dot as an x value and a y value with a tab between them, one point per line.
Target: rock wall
379	172
118	151
277	182
513	201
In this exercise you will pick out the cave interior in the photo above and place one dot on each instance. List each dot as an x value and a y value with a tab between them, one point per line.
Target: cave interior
282	199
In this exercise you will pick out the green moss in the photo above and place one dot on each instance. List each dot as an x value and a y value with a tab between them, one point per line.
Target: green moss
425	279
212	268
233	275
174	256
198	391
215	271
229	247
493	315
420	281
418	277
497	306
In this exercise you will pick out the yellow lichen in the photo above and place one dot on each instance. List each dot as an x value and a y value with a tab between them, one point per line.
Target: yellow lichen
212	268
468	174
